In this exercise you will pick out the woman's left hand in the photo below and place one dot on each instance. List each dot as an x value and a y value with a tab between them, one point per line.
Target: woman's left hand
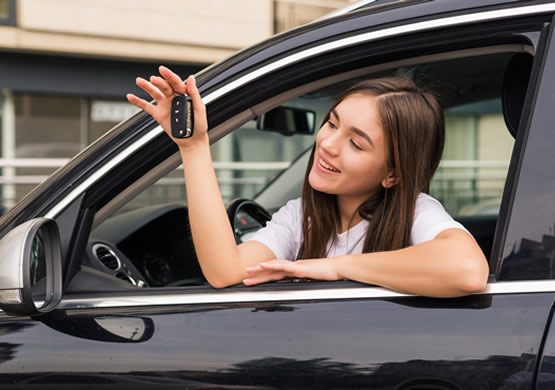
269	271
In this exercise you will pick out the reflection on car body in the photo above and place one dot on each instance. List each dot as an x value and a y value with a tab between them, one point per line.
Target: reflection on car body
140	312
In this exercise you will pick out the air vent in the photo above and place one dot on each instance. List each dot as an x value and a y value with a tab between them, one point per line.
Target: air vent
106	256
127	278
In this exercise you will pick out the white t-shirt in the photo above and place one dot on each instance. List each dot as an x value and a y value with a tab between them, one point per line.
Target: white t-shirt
284	235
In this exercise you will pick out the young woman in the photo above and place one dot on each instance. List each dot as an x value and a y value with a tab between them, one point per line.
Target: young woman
363	214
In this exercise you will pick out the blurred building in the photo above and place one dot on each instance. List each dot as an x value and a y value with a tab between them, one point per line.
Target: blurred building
66	65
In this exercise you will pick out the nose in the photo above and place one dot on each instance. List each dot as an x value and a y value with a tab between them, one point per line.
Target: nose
330	141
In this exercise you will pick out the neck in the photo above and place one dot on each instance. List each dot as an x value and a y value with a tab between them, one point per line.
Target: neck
348	216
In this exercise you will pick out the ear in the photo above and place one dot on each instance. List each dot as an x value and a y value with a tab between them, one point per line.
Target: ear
390	180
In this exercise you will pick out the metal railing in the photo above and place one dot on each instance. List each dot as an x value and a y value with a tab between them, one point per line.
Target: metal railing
456	183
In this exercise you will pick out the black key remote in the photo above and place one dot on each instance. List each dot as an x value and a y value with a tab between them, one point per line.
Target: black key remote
182	117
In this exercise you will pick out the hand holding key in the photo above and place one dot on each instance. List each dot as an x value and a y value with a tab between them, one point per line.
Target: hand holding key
183	125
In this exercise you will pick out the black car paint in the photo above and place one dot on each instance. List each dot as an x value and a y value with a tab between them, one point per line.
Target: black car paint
293	345
486	341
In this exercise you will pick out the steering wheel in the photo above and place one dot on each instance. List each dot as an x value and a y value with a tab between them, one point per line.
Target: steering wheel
246	216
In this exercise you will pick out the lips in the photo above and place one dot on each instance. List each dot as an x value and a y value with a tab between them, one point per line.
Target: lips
327	166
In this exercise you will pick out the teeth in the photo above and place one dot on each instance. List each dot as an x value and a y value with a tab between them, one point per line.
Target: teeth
328	167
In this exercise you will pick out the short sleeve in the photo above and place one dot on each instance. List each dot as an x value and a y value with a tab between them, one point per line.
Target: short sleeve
430	219
283	233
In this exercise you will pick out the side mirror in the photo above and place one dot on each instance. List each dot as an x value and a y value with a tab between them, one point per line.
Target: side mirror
287	121
30	268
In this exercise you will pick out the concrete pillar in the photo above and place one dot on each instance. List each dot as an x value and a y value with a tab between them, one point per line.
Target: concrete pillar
8	147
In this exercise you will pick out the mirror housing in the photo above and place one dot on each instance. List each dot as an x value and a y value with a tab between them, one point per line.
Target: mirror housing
287	121
30	268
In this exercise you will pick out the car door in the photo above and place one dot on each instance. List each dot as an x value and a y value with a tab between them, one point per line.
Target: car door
305	335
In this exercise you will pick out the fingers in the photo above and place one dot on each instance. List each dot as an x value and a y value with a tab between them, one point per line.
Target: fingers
254	270
269	265
193	92
173	79
142	104
164	87
264	278
270	271
290	267
149	88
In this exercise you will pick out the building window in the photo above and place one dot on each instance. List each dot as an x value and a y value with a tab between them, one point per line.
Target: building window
7	12
46	131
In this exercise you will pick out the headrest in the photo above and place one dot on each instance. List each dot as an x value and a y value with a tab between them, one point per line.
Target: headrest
515	84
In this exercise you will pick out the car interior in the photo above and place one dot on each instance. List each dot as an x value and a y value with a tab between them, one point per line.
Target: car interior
135	244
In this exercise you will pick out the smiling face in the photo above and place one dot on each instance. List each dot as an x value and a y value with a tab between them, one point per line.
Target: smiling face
349	159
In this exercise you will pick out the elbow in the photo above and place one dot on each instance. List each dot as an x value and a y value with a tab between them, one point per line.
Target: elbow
217	282
217	285
473	277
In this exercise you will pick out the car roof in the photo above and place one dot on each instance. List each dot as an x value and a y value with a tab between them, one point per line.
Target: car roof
345	22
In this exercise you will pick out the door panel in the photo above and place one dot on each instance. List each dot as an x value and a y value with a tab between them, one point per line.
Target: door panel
478	342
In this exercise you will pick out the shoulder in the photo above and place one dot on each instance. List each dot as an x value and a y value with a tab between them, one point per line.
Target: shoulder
291	211
283	233
424	200
430	218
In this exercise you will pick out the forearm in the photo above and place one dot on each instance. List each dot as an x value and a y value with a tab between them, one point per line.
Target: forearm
447	266
222	261
212	234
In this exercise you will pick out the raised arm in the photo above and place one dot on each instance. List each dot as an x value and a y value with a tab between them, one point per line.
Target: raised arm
223	262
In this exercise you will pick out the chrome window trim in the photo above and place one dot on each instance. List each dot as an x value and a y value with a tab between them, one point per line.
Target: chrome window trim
326	47
60	206
218	297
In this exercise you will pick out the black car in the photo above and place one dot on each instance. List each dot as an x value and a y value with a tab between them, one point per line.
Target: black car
100	287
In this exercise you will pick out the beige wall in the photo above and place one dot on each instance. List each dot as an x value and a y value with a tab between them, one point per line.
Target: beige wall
180	31
174	30
292	13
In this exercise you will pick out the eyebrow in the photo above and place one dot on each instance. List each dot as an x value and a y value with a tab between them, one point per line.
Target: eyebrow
355	130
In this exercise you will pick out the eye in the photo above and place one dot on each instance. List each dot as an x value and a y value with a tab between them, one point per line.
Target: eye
331	124
355	145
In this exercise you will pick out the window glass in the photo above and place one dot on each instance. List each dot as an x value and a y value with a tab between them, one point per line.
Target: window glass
471	175
52	129
45	127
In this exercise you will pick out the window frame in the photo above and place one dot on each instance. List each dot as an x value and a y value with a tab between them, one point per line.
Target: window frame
173	161
225	127
506	231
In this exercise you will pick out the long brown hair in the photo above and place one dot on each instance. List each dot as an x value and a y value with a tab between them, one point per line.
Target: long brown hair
414	131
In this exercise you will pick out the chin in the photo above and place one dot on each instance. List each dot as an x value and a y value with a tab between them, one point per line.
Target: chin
318	187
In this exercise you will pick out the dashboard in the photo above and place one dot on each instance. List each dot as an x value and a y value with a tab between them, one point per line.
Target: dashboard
148	247
153	246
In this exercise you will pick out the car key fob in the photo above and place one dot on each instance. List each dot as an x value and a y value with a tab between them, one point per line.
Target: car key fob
182	117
